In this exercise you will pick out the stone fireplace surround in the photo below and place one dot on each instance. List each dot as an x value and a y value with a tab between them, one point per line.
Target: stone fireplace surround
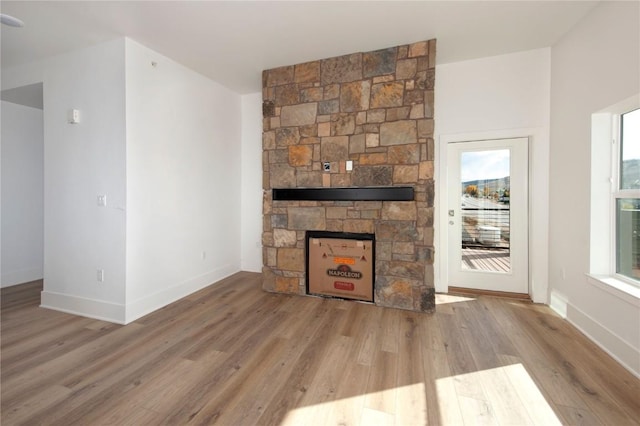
376	110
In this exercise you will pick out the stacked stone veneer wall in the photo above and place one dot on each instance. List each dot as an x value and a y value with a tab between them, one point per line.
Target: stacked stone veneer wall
375	109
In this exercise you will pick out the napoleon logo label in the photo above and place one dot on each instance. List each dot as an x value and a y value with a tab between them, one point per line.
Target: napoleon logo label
344	271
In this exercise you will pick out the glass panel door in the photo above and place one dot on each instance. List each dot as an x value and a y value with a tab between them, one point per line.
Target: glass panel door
488	215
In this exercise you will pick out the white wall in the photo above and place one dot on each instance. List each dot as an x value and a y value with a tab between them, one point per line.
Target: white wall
596	65
166	150
11	78
183	181
490	98
23	75
81	161
22	168
251	217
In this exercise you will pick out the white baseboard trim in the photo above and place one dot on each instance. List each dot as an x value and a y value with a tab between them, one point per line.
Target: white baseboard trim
558	303
21	276
98	309
607	340
153	302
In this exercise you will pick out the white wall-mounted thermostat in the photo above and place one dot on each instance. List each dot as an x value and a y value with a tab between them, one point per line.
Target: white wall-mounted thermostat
74	116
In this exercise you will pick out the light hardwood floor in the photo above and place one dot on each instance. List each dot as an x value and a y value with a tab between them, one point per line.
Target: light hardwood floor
234	355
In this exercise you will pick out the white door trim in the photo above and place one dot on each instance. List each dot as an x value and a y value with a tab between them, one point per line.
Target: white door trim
538	205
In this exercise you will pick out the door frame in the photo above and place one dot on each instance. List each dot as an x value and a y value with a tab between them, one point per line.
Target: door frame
538	213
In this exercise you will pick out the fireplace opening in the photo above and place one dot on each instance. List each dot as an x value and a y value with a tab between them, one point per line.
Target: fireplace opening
340	265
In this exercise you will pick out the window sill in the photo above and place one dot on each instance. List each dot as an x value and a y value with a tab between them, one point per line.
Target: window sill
622	290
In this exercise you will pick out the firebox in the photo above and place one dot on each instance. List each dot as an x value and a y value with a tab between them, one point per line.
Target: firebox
340	265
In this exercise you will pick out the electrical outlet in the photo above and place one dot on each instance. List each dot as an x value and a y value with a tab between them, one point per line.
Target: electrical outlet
74	116
102	200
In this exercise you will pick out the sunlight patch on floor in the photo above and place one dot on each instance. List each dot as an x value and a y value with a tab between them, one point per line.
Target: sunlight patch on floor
443	299
399	405
503	395
497	396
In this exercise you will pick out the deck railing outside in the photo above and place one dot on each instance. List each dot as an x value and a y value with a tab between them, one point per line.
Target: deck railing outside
485	227
486	238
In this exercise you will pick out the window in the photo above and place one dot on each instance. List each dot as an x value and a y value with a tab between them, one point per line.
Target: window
615	198
626	196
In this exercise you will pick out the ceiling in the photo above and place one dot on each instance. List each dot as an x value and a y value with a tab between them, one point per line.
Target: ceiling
231	42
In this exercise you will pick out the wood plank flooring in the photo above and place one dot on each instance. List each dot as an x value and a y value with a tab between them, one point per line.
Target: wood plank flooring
232	354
